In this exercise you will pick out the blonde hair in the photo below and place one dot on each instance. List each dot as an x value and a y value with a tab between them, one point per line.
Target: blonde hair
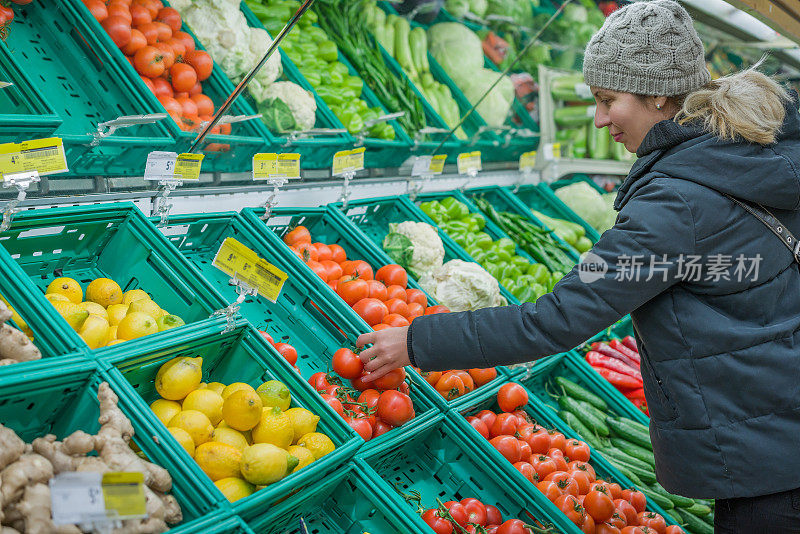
747	105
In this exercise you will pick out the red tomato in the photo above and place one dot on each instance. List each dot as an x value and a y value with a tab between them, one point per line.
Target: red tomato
564	482
527	471
352	290
164	31
118	29
450	386
139	15
150	32
170	17
185	38
549	489
626	511
636	498
571	507
599	505
539	441
493	515
337	253
148	83
97	8
476	511
397	306
358	268
581	481
675	529
439	524
178	47
396	292
513	526
558	458
653	521
121	11
487	416
511	396
169	57
458	512
287	351
149	62
319	380
170	104
395	408
587	524
544	465
381	326
391	380
201	62
334	403
483	376
392	274
162	87
196	90
504	424
634	530
360	425
557	440
371	310
324	252
418	296
394	320
525	449
614	490
377	290
575	465
182	76
508	446
206	107
618	519
432	310
370	398
577	450
347	364
298	234
605	528
381	428
415	309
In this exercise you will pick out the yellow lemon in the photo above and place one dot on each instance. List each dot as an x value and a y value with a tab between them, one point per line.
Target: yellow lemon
56	297
202	385
145	306
218	460
231	437
94	331
303	422
247	433
67	287
104	291
264	463
303	456
206	401
165	409
116	313
318	444
274	427
135	325
234	488
134	294
72	313
242	409
111	335
166	322
275	393
183	438
94	308
115	342
216	387
195	423
179	377
236	386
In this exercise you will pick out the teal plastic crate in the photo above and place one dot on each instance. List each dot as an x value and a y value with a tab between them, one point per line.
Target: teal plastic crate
544	415
308	314
240	355
220	522
441	462
345	503
541	198
502	199
575	178
61	54
64	400
106	240
247	138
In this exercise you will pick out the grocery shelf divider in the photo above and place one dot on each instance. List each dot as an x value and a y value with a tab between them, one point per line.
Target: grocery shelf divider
440	461
240	355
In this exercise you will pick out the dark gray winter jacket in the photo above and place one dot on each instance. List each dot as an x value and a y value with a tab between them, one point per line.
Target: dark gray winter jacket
720	348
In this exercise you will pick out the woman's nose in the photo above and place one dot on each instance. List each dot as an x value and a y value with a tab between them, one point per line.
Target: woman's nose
601	119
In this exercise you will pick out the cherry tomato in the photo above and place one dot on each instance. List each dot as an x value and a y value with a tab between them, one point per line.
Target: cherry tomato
511	396
371	310
347	364
334	403
391	380
395	408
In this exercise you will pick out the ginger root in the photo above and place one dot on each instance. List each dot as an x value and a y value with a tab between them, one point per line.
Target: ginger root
35	508
14	345
11	447
31	468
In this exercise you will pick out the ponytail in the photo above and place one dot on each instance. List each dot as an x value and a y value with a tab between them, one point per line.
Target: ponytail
747	105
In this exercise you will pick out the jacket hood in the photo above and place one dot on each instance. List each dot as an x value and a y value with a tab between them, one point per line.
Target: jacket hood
767	175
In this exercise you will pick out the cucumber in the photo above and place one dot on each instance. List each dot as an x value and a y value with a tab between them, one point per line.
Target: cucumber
647	476
575	424
593	410
709	518
679	501
588	419
631	449
613	453
659	500
630	474
694	524
575	391
700	510
625	429
673	516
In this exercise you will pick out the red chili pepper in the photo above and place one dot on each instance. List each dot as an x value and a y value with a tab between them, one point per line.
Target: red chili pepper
630	342
635	394
617	345
642	405
606	350
596	359
618	379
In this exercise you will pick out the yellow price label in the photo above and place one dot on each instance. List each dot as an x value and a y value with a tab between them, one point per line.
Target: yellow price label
123	494
264	166
348	161
187	166
45	156
469	162
437	163
357	159
556	150
288	166
236	260
527	161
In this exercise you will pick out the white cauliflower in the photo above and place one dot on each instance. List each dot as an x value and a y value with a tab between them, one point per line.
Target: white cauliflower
462	286
428	248
287	107
259	43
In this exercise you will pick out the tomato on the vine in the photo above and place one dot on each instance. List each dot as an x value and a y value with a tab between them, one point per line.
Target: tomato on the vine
334	403
347	364
391	380
361	425
319	380
458	512
380	428
439	524
513	526
476	511
493	515
287	351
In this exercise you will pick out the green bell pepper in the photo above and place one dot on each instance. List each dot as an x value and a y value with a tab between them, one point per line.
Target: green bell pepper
539	289
492	256
355	83
509	284
432	208
327	51
525	294
521	262
330	95
483	240
492	268
480	220
507	244
539	273
510	270
315	33
455	209
314	78
504	255
476	253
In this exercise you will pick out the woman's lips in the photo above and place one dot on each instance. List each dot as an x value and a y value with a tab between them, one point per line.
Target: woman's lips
618	137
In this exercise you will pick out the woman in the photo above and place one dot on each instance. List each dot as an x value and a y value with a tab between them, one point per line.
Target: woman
720	347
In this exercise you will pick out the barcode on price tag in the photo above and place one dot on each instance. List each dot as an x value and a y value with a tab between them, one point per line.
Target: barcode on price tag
348	161
469	162
187	166
123	494
45	156
264	166
236	260
357	159
288	166
77	497
527	161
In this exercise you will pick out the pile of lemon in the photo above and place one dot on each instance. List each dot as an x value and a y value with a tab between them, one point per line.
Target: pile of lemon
108	316
242	438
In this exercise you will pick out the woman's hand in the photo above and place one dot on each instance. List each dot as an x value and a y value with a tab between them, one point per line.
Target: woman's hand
388	351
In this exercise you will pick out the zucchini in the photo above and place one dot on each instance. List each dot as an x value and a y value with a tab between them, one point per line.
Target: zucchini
612	452
579	393
657	499
588	419
631	449
679	501
572	116
625	429
700	510
694	524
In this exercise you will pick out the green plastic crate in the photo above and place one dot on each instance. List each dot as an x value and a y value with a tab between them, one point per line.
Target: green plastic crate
240	355
558	184
61	401
60	52
502	199
247	138
541	198
220	522
105	240
546	416
308	314
442	462
345	503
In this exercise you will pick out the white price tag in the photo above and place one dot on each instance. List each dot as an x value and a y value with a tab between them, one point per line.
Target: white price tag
77	497
552	151
3	85
422	166
160	166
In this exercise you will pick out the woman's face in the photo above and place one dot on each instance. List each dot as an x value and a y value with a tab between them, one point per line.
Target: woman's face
628	117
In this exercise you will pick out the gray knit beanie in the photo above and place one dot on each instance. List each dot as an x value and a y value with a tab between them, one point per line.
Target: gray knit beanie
647	48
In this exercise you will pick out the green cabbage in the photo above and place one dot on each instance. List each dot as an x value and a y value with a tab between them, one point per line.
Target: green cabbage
456	48
589	204
462	286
